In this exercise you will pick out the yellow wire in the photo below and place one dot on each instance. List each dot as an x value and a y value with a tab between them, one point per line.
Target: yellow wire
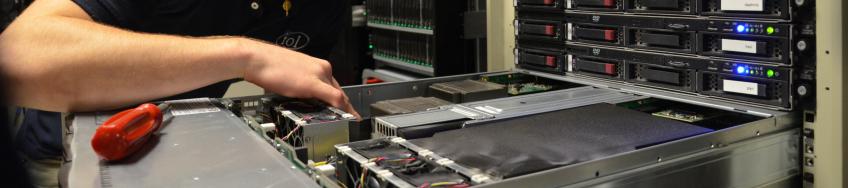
442	183
342	184
362	177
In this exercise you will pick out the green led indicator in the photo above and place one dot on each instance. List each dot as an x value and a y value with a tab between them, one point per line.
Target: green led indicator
770	73
770	30
371	46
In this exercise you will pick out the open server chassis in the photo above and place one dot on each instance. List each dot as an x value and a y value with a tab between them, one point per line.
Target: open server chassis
757	153
763	151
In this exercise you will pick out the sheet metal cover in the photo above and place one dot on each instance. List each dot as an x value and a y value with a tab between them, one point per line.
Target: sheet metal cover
529	144
209	149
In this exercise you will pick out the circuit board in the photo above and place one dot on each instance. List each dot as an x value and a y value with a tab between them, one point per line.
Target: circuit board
680	115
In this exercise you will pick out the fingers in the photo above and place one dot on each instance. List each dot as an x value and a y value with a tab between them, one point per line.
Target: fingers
334	96
335	83
349	109
329	94
309	78
326	67
344	103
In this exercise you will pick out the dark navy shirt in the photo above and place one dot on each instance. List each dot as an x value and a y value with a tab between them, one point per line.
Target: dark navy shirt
309	26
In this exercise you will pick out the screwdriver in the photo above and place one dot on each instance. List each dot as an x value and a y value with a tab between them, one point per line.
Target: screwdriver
124	133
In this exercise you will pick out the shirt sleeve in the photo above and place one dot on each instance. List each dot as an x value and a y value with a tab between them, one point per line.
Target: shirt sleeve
118	13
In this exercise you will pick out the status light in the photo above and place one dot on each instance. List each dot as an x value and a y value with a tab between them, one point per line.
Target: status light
770	30
740	70
770	73
740	28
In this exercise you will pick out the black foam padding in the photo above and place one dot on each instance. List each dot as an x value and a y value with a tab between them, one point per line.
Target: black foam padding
428	130
529	144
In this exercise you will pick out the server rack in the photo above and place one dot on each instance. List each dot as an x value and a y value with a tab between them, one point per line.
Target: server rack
425	37
758	53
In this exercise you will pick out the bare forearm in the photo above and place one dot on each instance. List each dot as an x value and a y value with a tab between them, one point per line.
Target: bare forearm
71	64
58	59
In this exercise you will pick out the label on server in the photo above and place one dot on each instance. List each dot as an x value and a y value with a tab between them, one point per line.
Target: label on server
742	5
489	109
734	86
739	46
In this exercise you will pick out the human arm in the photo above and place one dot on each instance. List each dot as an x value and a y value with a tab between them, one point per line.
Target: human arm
57	58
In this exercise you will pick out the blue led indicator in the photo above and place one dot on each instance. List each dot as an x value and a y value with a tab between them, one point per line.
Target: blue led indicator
740	28
740	70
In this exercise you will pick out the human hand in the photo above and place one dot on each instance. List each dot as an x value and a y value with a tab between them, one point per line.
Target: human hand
294	74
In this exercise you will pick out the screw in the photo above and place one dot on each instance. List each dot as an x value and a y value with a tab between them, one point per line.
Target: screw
802	45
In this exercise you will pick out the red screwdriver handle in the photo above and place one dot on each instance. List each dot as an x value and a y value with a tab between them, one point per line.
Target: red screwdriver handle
125	132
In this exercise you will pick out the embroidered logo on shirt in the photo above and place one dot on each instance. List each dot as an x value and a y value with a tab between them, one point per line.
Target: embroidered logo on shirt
293	40
287	6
